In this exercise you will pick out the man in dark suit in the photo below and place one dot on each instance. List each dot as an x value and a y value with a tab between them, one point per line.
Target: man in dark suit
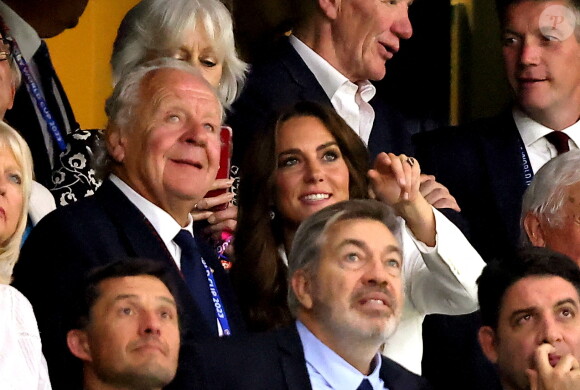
46	120
531	328
488	164
333	52
163	155
346	293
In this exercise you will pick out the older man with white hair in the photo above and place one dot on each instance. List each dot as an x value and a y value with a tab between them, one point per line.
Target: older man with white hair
551	206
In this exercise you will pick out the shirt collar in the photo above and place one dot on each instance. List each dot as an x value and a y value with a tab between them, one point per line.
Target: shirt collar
531	131
328	77
22	32
336	371
162	222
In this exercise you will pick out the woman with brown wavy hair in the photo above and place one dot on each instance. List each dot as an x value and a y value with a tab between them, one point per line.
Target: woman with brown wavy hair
259	273
310	159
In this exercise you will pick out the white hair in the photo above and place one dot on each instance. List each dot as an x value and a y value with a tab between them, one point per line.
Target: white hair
157	26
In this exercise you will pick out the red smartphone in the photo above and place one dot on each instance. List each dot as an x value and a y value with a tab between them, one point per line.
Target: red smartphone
224	169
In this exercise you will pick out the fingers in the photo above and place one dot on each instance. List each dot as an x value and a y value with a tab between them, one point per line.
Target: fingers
221	184
223	220
395	178
437	194
208	203
532	378
542	360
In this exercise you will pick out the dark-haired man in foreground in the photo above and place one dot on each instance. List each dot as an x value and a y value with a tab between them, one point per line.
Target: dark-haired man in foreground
126	328
531	325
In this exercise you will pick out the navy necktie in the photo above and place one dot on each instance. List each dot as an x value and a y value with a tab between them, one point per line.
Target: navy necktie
365	385
195	276
559	140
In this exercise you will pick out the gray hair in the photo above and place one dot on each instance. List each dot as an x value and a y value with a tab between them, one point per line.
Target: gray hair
545	196
157	26
120	107
310	236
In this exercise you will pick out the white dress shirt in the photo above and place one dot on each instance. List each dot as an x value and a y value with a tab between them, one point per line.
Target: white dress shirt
539	149
438	280
162	222
352	107
327	370
22	365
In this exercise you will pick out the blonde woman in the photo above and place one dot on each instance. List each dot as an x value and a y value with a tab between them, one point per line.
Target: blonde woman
22	365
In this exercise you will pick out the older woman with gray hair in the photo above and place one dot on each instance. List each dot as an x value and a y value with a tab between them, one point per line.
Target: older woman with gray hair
199	32
551	206
196	31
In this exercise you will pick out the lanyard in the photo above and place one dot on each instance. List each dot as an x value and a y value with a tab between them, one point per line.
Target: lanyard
217	301
526	166
34	91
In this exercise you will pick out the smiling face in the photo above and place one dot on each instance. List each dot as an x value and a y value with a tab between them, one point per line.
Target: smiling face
534	310
170	153
11	195
311	173
355	291
198	51
367	33
543	69
133	334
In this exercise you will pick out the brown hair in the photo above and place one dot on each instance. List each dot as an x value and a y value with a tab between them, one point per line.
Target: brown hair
259	274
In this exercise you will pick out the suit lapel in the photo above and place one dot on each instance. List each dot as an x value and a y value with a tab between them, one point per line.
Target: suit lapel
310	88
140	239
502	156
292	359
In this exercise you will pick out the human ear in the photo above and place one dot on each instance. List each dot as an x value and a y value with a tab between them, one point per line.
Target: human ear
534	230
115	143
301	286
330	8
487	340
78	344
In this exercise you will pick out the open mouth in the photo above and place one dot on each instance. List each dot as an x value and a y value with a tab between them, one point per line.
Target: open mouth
315	197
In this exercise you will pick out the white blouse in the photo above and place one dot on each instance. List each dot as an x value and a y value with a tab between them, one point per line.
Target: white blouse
22	365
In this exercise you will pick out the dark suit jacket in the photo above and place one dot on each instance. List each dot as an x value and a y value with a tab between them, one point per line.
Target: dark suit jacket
284	80
271	361
69	242
481	165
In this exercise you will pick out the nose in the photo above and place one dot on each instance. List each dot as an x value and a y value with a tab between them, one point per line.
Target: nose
529	54
402	25
314	172
196	134
376	274
150	324
551	332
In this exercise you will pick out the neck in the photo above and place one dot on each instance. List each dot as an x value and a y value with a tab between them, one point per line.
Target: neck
318	37
92	382
358	353
179	210
559	118
288	233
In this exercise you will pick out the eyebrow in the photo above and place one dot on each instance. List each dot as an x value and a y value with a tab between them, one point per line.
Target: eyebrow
122	297
534	308
296	150
361	244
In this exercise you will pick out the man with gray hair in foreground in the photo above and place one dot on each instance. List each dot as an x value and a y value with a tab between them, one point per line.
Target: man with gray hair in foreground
162	143
551	206
346	292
